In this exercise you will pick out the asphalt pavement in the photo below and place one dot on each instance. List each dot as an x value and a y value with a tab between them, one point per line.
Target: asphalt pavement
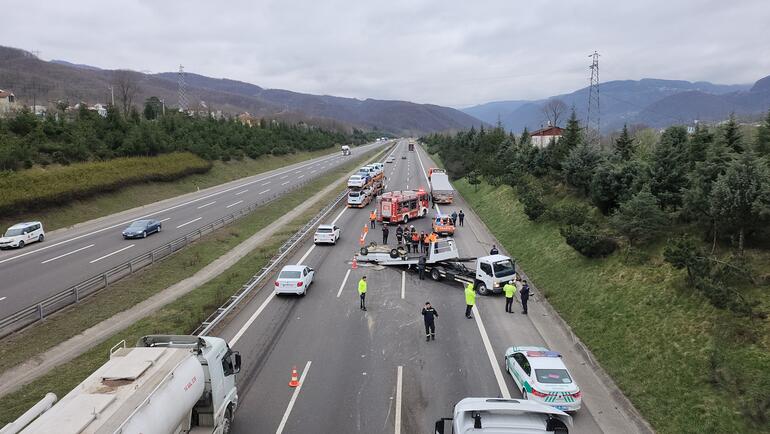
373	371
69	256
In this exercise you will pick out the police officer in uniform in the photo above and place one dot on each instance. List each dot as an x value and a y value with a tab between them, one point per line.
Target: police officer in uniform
421	267
470	299
524	296
429	314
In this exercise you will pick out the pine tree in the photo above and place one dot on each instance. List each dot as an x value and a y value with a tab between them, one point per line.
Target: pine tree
762	142
579	166
668	171
570	139
731	134
624	145
639	218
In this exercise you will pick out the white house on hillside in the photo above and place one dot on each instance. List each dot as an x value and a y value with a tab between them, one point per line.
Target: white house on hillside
542	137
7	102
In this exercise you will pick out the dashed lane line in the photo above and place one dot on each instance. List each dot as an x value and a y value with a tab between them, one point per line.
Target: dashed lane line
113	253
344	281
67	254
190	222
207	204
233	204
293	399
399	386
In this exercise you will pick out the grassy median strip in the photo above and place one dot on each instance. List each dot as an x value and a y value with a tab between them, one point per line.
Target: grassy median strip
657	340
178	317
77	211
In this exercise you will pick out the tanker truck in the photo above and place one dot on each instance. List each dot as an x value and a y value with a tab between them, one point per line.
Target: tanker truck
166	384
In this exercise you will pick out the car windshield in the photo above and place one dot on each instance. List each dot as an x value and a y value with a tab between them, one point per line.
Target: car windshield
324	230
14	232
139	224
503	268
553	376
286	274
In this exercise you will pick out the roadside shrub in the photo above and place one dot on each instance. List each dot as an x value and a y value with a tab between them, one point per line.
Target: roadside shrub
588	240
572	214
39	188
530	195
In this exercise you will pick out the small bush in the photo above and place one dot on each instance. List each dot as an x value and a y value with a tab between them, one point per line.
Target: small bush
588	240
572	214
530	195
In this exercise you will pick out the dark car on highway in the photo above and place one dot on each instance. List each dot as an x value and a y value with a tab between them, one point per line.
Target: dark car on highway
141	228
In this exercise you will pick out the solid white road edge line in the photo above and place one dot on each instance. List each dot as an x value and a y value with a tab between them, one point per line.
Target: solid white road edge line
293	399
191	221
403	284
399	384
113	253
207	204
233	204
488	346
67	254
344	281
252	318
438	210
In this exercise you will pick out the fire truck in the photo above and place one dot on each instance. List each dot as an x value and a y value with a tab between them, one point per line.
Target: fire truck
402	206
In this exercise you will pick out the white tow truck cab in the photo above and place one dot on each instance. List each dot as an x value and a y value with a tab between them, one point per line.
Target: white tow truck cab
166	384
345	150
504	416
488	273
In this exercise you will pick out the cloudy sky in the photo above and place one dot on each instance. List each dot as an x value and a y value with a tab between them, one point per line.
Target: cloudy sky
455	53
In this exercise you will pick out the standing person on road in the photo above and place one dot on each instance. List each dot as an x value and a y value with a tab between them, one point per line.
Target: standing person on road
524	296
385	232
362	292
429	314
510	290
470	299
399	233
461	216
415	241
421	267
372	219
424	243
454	218
494	250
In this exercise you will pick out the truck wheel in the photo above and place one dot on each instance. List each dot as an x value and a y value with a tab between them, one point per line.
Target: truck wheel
435	275
364	251
394	253
227	424
482	289
40	238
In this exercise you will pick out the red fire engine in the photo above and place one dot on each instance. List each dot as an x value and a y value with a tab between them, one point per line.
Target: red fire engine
402	206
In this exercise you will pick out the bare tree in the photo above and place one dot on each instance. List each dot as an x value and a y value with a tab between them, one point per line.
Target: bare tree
553	111
127	86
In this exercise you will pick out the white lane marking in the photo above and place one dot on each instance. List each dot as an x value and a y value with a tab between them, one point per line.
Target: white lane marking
265	191
252	318
191	221
306	254
438	210
233	204
268	182
67	254
339	215
313	171
284	177
301	176
286	182
113	253
241	192
488	346
2	298
403	284
164	220
207	204
344	281
293	399
208	196
399	384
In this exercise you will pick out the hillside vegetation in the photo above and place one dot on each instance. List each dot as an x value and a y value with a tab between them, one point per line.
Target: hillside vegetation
657	257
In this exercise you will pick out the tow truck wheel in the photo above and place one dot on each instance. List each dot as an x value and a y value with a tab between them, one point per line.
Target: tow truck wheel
482	289
435	275
394	253
364	251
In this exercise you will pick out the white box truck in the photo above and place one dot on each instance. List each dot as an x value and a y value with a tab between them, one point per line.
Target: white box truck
441	190
345	150
166	384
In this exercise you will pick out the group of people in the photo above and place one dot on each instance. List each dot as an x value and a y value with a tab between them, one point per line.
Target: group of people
415	242
458	219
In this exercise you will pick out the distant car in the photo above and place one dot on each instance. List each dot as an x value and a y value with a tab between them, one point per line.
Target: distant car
294	279
390	159
141	228
403	157
22	234
541	376
326	234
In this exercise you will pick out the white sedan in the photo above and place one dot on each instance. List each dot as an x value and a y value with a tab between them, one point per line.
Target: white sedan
326	234
294	279
541	376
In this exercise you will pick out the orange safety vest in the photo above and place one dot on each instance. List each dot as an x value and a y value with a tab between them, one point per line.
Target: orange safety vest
372	215
415	237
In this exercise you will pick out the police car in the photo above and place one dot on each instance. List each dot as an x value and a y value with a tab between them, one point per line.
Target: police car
541	376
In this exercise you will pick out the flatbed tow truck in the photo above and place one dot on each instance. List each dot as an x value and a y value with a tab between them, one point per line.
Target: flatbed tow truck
443	262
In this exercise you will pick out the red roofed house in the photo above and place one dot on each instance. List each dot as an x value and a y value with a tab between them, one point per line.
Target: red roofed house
7	102
542	137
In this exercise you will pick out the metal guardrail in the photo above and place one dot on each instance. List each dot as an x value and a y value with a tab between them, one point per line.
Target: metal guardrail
286	248
93	285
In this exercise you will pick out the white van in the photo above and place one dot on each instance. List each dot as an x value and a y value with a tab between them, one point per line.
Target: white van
21	234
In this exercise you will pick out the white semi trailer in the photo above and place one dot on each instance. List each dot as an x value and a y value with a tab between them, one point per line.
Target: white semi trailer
166	384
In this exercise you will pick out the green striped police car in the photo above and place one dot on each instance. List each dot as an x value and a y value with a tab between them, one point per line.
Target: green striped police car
541	376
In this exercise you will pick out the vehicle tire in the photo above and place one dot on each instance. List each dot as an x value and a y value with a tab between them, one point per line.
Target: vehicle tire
482	289
406	219
21	244
424	212
364	251
435	275
227	424
158	228
144	234
394	253
40	238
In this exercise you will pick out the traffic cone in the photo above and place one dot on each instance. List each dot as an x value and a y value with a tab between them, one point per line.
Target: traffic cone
294	377
355	263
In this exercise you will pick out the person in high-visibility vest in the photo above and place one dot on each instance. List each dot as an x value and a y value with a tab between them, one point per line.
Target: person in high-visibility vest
510	290
415	241
362	292
470	299
372	219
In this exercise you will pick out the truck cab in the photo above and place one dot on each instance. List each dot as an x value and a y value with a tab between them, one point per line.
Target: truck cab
504	416
492	272
345	150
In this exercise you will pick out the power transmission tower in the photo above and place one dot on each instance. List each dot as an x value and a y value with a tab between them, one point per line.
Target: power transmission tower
593	118
184	103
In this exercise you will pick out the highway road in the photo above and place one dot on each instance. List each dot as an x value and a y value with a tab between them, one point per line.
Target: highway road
69	256
373	371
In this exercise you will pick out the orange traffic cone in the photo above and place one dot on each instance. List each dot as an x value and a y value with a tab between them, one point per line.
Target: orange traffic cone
355	263
294	377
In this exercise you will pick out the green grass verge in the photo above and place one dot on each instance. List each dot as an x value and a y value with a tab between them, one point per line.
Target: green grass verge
665	346
77	211
134	289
